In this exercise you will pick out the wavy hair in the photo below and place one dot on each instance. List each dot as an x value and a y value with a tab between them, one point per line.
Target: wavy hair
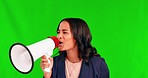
82	35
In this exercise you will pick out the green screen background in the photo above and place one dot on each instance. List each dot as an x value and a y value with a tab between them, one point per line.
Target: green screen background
119	29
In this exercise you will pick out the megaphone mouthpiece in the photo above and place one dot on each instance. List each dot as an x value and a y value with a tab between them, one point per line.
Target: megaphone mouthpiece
56	41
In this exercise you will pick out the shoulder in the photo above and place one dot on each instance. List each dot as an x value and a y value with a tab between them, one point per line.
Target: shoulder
100	66
97	58
58	59
99	61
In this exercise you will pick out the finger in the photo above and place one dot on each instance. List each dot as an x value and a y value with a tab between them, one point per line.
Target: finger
43	57
51	61
44	60
45	65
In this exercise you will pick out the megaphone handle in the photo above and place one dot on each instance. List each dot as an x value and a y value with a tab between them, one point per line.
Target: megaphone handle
47	69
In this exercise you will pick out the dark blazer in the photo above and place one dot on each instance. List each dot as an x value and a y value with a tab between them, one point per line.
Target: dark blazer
95	68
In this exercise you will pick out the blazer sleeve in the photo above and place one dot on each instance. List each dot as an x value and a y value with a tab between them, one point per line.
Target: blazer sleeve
100	67
104	71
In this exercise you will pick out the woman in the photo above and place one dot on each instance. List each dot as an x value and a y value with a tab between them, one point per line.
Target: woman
77	59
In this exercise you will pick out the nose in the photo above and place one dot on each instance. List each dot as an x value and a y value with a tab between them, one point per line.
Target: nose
59	36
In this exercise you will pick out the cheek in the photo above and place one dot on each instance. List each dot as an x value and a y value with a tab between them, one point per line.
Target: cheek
70	44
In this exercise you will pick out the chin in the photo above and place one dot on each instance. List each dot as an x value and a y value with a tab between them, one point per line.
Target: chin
60	49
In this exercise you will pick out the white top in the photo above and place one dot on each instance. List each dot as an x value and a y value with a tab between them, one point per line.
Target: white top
72	69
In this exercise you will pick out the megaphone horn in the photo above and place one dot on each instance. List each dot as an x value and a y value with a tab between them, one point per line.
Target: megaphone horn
23	57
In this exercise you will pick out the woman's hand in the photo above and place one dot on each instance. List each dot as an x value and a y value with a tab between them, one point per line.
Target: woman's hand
45	64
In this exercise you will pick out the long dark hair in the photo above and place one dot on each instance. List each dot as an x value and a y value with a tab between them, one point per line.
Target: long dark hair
82	35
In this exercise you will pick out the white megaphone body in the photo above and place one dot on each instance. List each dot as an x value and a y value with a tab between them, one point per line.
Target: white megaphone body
23	57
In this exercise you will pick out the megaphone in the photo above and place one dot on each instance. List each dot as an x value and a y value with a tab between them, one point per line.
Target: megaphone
23	57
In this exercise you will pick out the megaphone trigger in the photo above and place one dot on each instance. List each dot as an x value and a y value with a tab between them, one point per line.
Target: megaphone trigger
47	57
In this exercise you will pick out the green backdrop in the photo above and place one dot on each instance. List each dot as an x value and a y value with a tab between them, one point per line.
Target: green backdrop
119	29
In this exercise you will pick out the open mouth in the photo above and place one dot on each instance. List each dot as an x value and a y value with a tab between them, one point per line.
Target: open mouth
60	43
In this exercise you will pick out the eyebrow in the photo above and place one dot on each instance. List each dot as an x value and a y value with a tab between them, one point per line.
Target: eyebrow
63	30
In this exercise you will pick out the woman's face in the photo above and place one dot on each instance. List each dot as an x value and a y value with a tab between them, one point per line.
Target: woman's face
67	41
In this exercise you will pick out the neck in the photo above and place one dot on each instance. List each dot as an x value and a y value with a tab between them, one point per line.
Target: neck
72	56
73	59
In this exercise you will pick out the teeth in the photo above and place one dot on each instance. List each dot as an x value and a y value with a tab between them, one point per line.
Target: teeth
60	42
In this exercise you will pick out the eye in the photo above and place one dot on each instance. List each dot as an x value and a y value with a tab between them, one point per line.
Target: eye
65	32
58	32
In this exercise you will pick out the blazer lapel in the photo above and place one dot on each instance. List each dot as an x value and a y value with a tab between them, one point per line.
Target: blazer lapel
61	70
84	72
